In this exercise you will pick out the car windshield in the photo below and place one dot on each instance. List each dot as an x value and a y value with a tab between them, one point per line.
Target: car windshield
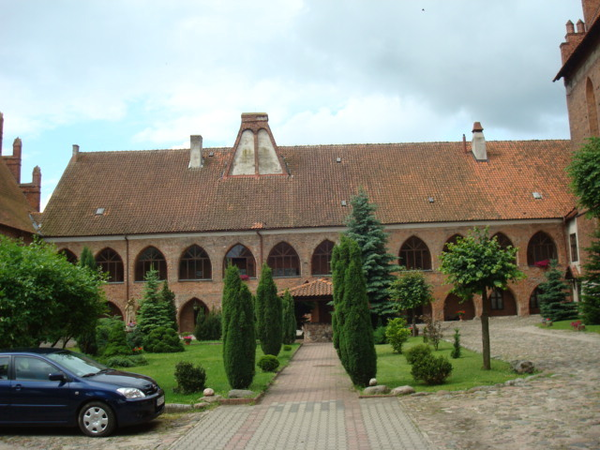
77	363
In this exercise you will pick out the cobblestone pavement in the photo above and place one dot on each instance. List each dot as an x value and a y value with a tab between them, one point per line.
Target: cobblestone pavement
558	409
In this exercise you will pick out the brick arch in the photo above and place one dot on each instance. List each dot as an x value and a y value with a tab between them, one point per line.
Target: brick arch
188	314
195	264
414	254
284	261
111	263
150	258
540	249
241	256
534	302
71	257
321	258
451	240
453	303
592	111
113	310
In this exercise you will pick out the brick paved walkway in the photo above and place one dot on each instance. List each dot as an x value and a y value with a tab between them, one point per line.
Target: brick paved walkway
312	405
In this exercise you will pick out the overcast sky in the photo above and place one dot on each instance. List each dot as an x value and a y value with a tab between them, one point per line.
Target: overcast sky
146	74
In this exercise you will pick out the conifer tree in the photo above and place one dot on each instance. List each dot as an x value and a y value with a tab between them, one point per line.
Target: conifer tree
590	301
339	262
239	342
269	313
168	300
357	345
368	232
152	313
87	259
289	318
553	296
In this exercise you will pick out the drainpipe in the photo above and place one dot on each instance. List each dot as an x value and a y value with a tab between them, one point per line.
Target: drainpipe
260	237
127	270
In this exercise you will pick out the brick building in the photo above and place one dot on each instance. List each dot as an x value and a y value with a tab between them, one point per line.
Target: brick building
187	212
19	202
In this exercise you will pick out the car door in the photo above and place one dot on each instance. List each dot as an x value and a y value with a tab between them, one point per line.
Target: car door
36	399
4	388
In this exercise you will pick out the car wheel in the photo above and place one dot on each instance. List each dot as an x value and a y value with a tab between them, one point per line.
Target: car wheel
96	419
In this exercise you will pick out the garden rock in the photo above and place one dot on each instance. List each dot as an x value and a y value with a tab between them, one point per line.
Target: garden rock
403	390
523	366
211	399
240	393
373	382
209	392
376	390
201	405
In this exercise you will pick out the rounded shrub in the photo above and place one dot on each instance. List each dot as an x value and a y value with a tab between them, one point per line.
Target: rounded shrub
208	327
417	352
268	363
163	340
397	333
287	348
117	340
431	369
379	335
190	378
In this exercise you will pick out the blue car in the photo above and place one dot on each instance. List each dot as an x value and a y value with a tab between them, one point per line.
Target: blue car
48	386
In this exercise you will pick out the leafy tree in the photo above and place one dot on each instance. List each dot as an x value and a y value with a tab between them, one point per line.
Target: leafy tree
553	296
584	171
289	318
43	297
367	231
396	333
268	313
410	291
152	313
87	259
239	342
477	264
590	301
168	302
356	343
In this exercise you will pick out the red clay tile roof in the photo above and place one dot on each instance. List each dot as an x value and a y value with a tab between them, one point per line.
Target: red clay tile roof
155	192
317	288
14	207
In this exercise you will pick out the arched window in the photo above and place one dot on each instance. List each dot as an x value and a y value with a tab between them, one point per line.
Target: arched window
503	240
451	240
321	258
502	303
242	258
283	261
541	249
111	263
497	300
415	255
150	258
534	301
590	97
195	264
71	257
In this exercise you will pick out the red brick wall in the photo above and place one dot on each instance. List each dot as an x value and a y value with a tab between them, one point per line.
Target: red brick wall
209	292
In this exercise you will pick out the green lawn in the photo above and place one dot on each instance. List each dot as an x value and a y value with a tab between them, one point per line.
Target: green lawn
566	325
161	367
393	370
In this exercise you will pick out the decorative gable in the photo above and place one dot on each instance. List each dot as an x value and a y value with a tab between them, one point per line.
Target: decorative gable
255	152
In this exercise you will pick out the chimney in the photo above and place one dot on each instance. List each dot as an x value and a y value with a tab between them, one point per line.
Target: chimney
196	160
33	190
75	152
572	40
580	26
478	143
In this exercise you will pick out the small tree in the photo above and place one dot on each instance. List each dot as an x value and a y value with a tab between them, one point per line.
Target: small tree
289	318
477	264
86	340
269	313
117	340
367	231
208	326
554	304
168	303
339	262
239	342
87	259
590	301
411	291
584	171
356	344
152	313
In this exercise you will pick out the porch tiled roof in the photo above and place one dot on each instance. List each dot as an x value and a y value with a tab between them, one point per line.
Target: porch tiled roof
155	192
318	288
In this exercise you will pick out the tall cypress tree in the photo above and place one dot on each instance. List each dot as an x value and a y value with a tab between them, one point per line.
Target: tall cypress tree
590	301
339	262
368	232
239	342
87	259
289	318
269	313
357	345
554	304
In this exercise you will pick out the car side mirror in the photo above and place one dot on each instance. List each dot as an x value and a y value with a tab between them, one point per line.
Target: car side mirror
57	377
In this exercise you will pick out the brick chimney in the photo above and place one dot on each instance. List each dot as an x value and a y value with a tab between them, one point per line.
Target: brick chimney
478	143
196	159
33	190
572	40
